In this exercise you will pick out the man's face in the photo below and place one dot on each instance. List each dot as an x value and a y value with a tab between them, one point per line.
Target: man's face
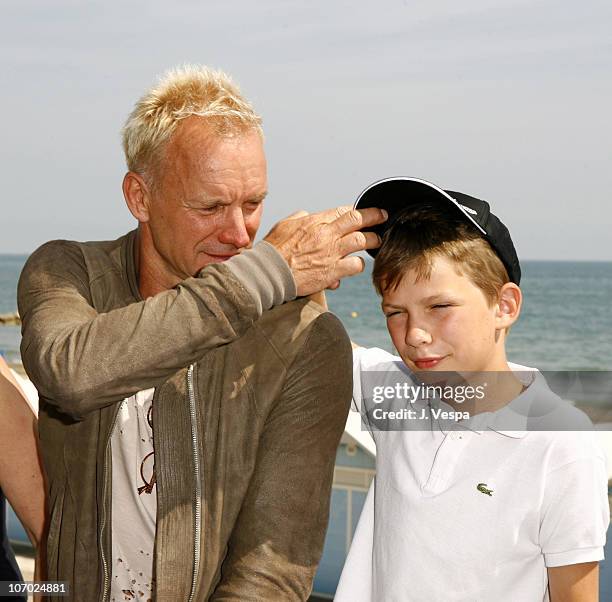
207	204
443	323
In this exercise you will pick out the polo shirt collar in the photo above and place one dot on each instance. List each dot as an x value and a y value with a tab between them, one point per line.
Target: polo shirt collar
509	421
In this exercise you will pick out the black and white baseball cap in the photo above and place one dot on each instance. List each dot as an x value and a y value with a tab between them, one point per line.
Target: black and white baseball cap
396	194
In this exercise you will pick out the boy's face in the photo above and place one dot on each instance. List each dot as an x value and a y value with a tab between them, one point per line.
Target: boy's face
443	323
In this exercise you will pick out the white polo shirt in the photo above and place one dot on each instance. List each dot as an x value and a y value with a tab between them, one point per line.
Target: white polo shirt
474	514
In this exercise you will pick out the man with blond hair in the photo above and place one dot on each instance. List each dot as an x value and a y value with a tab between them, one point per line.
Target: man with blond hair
189	419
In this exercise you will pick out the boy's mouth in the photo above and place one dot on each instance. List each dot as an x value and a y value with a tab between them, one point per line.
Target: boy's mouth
426	363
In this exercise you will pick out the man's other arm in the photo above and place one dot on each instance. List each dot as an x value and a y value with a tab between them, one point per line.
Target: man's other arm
24	488
278	538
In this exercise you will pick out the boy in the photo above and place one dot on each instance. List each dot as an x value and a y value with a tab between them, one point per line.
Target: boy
480	499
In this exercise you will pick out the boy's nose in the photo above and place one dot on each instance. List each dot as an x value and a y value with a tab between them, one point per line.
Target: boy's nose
415	337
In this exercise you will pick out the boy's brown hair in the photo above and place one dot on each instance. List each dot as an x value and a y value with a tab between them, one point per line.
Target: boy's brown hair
419	234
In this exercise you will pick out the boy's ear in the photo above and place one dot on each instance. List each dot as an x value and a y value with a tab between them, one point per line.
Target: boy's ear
508	306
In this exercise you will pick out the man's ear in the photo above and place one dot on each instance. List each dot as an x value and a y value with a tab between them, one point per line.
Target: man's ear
137	196
508	306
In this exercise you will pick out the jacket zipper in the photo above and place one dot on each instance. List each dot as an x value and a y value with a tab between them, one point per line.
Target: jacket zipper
197	524
104	510
198	494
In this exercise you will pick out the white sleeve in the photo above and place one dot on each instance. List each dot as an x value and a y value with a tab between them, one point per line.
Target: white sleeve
29	390
368	358
355	583
576	513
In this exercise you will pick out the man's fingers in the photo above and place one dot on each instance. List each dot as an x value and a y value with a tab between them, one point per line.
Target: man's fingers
342	210
349	266
328	216
373	241
356	219
318	246
358	241
297	214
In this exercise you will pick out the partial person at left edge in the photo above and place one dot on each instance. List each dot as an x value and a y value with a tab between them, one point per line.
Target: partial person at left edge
189	420
21	476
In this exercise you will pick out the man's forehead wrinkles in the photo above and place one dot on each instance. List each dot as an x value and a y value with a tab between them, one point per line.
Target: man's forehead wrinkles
214	168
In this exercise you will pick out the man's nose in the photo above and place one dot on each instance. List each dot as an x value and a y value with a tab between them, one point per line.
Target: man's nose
417	336
234	231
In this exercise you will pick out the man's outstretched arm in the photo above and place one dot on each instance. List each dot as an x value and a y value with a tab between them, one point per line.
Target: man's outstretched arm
81	359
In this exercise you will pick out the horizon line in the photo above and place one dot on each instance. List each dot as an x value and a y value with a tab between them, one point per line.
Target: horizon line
371	259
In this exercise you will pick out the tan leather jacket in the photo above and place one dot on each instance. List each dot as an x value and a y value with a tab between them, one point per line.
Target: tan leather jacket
250	403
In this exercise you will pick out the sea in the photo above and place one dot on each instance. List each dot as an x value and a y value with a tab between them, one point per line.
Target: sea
565	324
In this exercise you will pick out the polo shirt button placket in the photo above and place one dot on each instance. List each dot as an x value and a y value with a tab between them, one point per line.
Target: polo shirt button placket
445	462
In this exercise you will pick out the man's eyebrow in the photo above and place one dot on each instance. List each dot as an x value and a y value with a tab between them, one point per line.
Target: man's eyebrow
259	198
209	201
205	201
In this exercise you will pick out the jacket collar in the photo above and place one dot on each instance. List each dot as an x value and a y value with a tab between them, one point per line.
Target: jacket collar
129	253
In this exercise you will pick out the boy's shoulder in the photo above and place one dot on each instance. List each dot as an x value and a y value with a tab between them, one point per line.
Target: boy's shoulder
562	430
543	408
374	367
374	358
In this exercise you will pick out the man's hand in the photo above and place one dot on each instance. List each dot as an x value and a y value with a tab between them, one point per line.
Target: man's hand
316	246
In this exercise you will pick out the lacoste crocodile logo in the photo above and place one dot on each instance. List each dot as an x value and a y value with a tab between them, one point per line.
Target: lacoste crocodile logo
482	487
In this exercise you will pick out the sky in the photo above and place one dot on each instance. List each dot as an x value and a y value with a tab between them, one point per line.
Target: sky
507	101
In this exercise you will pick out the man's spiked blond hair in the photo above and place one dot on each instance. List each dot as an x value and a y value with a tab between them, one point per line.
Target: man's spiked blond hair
183	92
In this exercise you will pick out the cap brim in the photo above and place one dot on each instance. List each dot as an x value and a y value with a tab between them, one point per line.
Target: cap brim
398	193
